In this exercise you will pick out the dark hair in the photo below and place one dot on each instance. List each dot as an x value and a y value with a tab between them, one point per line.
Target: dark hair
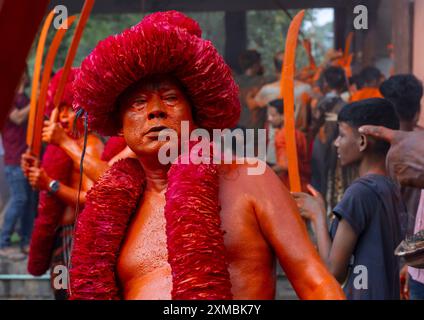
404	91
335	78
278	61
248	59
357	80
278	104
370	74
375	111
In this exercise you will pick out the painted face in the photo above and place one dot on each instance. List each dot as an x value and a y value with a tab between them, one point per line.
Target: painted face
150	106
66	119
349	144
274	118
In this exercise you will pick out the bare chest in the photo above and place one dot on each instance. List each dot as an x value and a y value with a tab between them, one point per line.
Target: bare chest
144	249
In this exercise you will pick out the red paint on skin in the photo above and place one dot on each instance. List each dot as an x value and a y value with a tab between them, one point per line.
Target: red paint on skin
143	259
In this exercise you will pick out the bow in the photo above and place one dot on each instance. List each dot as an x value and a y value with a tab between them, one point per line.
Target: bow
35	146
85	13
36	78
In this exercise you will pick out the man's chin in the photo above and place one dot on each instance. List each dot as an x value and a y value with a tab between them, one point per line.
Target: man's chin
151	147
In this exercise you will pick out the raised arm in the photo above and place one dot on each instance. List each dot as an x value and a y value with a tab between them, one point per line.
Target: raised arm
405	159
93	166
285	230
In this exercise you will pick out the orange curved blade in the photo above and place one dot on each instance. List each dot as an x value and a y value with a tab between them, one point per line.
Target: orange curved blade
85	14
348	44
36	76
48	67
287	92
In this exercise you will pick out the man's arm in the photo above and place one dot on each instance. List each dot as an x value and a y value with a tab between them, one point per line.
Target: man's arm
284	229
93	166
38	179
405	159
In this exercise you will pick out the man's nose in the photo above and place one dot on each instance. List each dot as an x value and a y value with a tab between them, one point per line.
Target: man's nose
156	109
336	143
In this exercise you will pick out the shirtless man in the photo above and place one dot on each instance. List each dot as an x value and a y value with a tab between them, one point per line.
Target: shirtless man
58	180
61	134
257	220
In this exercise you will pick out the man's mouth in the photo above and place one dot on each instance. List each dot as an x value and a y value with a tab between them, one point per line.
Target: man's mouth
154	131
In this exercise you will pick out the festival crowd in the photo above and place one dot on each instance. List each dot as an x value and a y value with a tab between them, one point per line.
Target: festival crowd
359	156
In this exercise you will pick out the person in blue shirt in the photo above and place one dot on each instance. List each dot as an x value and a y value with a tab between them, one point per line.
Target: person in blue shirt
359	247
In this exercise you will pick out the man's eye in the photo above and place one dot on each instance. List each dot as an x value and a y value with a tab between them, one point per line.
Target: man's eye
140	103
170	98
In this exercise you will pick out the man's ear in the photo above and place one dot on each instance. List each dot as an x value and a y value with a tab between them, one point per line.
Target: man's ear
363	142
120	132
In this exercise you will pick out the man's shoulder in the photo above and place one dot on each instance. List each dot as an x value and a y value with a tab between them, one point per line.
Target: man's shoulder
254	177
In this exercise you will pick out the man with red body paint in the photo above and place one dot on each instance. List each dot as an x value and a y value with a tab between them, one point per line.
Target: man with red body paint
258	221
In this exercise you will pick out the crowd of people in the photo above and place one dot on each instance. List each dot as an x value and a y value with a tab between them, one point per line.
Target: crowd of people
361	177
345	179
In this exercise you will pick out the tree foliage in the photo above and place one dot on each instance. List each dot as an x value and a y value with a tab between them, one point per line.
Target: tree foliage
266	31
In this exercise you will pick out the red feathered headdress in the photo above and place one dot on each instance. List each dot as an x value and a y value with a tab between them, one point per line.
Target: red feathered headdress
68	94
162	43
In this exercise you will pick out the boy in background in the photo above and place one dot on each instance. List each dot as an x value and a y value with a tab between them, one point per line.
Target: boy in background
276	146
359	250
372	78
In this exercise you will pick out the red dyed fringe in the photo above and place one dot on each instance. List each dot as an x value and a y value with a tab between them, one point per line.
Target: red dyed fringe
68	93
57	165
100	230
162	43
196	250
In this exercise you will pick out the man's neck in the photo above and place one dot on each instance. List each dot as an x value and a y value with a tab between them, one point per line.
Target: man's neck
406	125
372	164
156	174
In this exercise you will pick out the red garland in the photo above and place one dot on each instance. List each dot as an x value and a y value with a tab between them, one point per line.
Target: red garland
58	166
100	229
196	250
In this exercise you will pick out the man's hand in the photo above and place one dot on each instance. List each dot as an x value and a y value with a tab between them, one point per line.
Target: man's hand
405	160
311	206
28	161
19	116
38	178
53	133
404	283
